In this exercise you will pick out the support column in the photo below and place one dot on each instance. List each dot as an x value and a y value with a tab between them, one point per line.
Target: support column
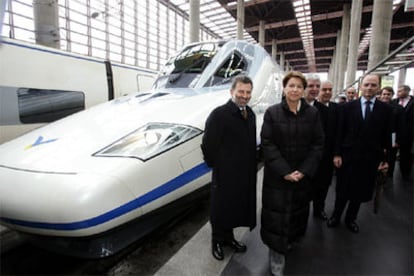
194	21
282	61
336	64
46	23
274	49
354	35
331	73
401	76
344	46
381	32
262	33
240	18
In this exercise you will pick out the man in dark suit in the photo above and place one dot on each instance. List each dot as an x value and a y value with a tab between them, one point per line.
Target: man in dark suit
229	147
397	125
363	140
323	176
406	138
319	185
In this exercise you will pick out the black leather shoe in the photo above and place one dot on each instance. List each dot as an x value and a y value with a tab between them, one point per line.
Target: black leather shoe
352	226
217	251
320	215
237	246
332	222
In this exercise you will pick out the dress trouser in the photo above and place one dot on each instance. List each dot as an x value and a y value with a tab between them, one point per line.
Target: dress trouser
319	196
392	157
406	160
320	187
221	234
351	212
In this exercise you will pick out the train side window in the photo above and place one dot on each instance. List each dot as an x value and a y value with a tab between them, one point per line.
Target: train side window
45	105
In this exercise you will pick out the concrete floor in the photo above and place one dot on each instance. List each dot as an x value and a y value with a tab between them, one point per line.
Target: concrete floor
384	245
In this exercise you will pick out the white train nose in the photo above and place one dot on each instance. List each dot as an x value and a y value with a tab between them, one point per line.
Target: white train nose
63	204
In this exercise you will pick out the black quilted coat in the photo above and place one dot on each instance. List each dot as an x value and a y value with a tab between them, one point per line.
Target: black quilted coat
289	142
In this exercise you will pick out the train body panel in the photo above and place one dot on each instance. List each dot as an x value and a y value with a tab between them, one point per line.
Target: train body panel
61	83
103	168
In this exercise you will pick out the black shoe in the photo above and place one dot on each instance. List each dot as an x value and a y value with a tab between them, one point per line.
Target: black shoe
217	250
352	226
332	222
320	215
237	246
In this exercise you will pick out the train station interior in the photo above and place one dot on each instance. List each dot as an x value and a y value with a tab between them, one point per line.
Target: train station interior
340	41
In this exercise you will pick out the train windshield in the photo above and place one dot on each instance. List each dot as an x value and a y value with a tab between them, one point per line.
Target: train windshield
185	69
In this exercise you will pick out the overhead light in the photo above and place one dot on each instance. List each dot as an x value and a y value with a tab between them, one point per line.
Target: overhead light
402	62
405	55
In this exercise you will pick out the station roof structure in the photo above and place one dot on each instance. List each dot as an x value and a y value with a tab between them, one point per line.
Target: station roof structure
316	40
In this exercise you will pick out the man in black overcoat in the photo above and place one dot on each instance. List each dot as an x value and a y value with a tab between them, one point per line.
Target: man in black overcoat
323	177
363	140
229	148
406	138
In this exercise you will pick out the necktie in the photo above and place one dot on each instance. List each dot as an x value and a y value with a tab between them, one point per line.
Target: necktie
244	113
402	102
367	109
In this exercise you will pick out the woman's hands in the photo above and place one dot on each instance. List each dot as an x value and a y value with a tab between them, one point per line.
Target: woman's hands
295	176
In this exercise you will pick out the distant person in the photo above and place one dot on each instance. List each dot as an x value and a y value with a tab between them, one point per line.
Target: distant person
340	99
386	96
229	147
407	103
292	143
350	94
362	143
323	176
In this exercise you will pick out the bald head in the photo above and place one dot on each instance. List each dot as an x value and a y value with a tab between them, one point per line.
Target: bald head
350	94
325	93
370	86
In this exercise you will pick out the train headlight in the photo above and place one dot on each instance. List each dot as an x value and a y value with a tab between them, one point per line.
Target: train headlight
150	140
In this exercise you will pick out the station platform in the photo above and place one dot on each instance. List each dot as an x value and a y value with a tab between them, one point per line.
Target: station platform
383	246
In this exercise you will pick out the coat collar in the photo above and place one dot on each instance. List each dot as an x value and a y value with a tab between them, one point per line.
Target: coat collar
303	105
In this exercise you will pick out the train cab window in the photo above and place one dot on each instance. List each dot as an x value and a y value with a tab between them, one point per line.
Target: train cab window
185	69
231	67
44	106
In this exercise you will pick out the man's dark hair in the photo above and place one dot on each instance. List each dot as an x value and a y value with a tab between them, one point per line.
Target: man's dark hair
243	79
389	89
406	88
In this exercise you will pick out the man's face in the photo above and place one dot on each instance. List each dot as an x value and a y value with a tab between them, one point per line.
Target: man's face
241	94
350	94
370	86
325	94
402	93
386	96
312	90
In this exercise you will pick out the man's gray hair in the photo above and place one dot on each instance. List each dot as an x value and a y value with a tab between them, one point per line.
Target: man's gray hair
312	76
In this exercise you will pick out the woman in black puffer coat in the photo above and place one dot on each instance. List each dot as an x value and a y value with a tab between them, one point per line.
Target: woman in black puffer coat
292	143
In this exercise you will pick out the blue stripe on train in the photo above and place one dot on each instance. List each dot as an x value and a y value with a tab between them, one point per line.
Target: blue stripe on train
157	193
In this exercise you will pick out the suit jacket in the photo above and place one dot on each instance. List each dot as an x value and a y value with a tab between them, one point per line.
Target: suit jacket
328	117
406	132
362	144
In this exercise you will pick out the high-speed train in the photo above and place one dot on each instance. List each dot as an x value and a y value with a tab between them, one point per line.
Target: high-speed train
40	84
93	182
